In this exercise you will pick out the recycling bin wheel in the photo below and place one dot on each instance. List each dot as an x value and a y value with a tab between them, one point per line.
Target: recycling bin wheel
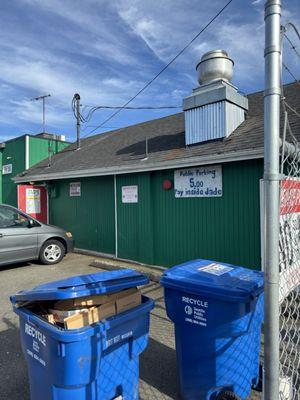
227	395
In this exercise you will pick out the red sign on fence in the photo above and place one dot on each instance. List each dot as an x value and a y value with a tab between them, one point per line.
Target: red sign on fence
289	250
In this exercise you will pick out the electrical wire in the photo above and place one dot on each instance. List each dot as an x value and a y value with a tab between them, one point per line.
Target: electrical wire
294	27
290	72
293	47
135	108
291	108
162	70
89	115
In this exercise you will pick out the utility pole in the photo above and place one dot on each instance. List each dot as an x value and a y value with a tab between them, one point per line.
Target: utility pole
44	108
77	99
272	98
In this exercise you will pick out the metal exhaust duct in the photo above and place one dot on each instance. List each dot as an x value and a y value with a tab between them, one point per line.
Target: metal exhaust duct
214	109
214	66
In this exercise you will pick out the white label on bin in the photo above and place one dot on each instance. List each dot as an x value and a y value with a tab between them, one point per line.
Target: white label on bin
33	332
215	269
118	338
195	310
36	357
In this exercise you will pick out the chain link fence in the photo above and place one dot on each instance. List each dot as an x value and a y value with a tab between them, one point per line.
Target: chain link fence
289	267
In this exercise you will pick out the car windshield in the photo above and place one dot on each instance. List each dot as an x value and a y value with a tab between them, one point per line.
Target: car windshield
10	218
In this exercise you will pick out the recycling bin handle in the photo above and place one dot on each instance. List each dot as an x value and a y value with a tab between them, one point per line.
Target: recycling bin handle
255	300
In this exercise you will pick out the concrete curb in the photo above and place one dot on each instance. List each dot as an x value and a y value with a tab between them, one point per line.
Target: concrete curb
111	265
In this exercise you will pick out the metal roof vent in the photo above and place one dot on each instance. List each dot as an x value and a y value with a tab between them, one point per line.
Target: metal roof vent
215	65
215	109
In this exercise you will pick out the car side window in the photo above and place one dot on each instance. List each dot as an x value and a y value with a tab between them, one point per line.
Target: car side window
10	218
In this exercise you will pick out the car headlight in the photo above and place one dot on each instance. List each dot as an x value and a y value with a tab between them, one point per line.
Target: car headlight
69	234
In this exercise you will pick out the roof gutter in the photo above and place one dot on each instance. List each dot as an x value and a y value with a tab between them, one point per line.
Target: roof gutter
129	169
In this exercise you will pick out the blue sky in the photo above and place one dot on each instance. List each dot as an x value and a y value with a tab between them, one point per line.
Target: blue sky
108	50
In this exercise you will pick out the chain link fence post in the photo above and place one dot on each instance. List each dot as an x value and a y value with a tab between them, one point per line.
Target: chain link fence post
272	98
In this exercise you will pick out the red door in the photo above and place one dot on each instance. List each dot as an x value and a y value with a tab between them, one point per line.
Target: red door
33	200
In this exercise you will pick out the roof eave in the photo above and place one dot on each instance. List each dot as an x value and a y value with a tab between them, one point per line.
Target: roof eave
126	169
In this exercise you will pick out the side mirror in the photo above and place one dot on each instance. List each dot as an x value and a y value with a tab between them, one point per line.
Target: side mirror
31	223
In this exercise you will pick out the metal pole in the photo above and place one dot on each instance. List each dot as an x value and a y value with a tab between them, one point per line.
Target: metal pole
44	115
271	183
43	98
77	98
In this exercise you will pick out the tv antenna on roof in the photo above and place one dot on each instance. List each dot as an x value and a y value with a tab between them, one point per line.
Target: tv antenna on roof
44	108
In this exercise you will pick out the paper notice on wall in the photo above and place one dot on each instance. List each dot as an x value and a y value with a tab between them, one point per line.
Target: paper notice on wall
130	194
198	182
75	189
7	169
33	201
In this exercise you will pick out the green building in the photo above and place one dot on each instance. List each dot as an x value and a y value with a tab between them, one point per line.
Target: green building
21	153
168	190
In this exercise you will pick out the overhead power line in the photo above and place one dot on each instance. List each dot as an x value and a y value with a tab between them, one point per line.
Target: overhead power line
134	108
93	109
163	69
293	47
291	73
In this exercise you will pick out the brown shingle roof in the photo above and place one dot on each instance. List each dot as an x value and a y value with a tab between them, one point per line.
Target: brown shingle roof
126	146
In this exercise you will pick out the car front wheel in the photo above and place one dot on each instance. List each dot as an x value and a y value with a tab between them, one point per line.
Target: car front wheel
52	252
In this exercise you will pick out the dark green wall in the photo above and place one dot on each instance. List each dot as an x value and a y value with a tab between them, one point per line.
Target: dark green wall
165	230
161	229
14	153
89	217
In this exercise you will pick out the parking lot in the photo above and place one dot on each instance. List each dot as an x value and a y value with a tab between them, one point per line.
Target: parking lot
158	363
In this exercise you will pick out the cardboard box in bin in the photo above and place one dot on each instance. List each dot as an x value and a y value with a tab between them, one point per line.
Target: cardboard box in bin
127	301
90	316
94	300
61	315
83	311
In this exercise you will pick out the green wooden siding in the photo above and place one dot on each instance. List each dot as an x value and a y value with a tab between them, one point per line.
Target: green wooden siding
135	220
90	217
13	153
39	148
163	230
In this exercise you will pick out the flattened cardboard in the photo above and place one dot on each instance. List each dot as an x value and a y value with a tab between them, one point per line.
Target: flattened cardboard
90	316
60	315
125	303
89	301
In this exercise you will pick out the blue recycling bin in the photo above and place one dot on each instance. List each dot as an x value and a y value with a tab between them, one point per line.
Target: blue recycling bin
100	361
217	310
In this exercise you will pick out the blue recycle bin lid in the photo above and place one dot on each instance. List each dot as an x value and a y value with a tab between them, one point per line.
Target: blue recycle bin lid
83	285
214	279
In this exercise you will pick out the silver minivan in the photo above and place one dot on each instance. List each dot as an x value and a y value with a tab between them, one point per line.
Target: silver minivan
23	238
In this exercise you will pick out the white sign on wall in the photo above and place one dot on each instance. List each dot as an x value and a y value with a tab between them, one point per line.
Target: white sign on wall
75	189
130	194
33	201
7	169
198	182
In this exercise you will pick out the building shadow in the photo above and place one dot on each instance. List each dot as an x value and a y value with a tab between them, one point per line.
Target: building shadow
158	368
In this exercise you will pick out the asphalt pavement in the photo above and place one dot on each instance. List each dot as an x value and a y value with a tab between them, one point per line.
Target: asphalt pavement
158	376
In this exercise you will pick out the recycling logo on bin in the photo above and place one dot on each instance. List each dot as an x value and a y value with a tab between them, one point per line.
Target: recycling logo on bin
195	310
